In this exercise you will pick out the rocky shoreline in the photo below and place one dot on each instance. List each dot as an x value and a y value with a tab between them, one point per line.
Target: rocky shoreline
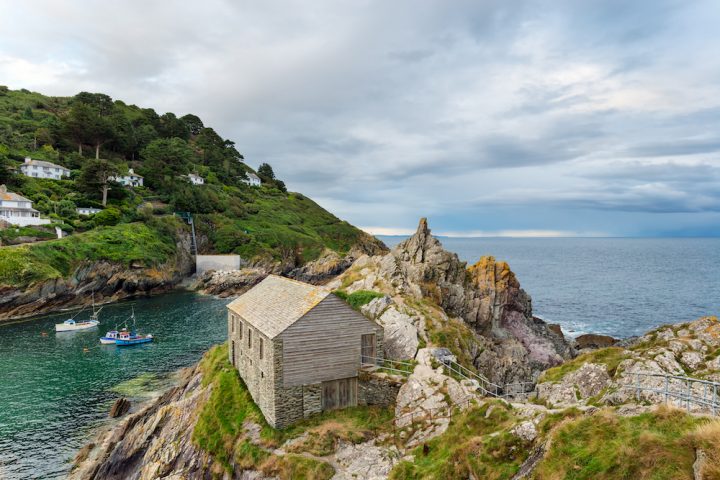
434	307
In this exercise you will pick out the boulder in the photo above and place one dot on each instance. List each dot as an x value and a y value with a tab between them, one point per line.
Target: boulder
576	387
525	431
119	408
400	337
594	341
376	307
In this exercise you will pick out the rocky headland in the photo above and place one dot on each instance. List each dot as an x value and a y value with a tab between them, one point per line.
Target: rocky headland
583	414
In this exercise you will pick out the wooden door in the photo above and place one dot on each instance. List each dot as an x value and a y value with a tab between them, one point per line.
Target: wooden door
367	349
339	393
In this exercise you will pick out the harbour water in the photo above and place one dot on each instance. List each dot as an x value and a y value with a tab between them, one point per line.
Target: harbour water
616	286
54	392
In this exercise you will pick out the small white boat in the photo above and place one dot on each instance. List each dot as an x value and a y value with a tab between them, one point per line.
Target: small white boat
110	337
70	325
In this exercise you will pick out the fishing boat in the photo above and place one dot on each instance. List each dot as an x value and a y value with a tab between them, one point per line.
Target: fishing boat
124	338
111	337
132	338
71	325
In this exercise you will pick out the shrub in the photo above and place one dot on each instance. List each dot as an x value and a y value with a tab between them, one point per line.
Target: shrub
108	217
359	298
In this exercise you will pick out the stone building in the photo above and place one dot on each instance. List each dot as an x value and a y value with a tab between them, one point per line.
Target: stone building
299	348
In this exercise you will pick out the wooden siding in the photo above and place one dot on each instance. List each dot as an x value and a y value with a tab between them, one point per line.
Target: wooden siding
324	344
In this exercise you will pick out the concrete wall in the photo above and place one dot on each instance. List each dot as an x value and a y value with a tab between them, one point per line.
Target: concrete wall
203	263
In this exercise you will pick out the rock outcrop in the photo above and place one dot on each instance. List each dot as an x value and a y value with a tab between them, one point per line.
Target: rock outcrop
609	376
505	342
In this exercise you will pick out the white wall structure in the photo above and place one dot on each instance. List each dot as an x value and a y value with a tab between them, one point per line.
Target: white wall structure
17	210
130	179
87	210
203	263
43	169
253	180
196	179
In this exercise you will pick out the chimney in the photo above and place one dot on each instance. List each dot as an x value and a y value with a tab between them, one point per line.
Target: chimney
131	171
28	159
3	189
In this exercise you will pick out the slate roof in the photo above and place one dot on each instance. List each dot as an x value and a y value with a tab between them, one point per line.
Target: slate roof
13	197
43	163
252	176
274	304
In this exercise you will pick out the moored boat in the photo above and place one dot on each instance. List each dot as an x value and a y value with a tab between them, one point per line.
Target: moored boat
132	338
70	325
110	337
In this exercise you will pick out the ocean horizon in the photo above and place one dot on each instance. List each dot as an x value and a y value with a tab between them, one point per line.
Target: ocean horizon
618	286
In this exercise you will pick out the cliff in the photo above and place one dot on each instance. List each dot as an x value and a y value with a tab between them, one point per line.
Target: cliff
111	263
480	312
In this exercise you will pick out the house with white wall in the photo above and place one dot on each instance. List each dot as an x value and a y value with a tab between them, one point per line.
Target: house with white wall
43	169
17	210
130	179
195	179
87	210
252	180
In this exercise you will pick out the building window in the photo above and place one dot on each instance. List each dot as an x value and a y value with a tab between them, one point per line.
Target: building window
260	347
249	335
232	323
240	329
232	352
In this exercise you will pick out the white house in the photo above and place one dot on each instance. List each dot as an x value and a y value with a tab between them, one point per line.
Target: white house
130	179
195	179
17	210
43	169
87	210
253	180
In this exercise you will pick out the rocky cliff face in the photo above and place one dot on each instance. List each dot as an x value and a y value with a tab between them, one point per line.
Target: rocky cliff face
109	282
508	344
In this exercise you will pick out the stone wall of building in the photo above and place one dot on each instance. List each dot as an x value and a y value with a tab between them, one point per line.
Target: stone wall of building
378	388
259	374
312	401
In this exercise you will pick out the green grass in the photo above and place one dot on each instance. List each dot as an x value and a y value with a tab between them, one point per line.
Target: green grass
359	298
475	445
123	244
610	357
605	446
219	429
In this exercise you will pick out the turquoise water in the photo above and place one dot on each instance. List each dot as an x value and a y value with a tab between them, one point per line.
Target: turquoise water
616	286
53	393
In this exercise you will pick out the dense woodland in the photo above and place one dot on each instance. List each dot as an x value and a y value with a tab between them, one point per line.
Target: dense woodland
98	137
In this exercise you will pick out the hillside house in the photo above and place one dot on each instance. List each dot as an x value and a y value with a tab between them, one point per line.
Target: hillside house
130	179
87	210
252	180
299	348
195	179
43	169
17	210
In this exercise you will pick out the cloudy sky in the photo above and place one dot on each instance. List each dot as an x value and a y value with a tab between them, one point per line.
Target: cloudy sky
489	117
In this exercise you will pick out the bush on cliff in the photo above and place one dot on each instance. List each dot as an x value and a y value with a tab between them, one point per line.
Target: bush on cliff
124	244
359	298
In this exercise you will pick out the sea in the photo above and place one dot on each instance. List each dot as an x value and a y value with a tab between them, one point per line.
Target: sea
56	388
621	287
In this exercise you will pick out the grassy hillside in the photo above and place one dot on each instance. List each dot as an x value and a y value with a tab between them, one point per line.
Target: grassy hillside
132	243
264	222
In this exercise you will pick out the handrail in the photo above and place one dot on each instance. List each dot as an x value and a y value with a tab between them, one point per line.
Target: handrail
388	364
710	399
488	388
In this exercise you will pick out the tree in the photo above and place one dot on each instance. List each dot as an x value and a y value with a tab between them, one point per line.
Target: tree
193	123
109	216
165	159
265	170
76	122
97	174
6	174
171	127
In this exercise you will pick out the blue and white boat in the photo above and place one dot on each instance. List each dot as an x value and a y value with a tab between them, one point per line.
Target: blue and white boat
124	337
132	338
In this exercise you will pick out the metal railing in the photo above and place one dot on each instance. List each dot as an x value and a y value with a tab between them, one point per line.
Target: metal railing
397	367
485	386
675	389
